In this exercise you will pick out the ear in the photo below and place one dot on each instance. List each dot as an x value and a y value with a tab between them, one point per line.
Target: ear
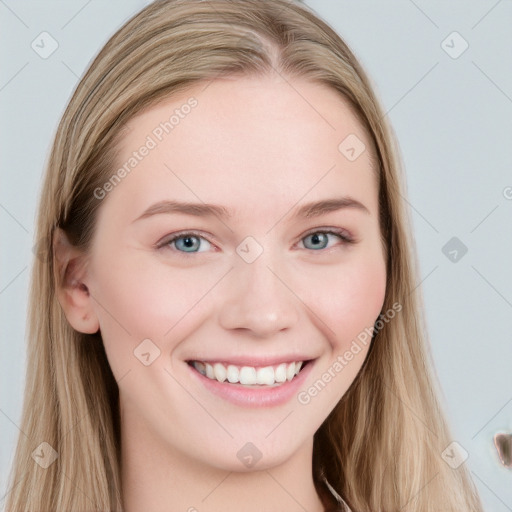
71	290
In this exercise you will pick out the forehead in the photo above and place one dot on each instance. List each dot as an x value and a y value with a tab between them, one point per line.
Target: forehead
241	140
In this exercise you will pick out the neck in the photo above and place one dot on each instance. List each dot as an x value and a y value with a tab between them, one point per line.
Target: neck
158	477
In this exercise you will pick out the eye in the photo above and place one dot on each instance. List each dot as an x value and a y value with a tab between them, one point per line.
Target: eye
191	242
320	239
186	242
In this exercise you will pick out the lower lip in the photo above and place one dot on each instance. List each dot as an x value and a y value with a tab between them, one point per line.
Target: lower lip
264	396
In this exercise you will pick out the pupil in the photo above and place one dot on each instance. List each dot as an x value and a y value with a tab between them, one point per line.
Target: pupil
318	239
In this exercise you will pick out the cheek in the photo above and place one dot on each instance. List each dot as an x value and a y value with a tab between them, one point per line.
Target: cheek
138	301
350	299
348	306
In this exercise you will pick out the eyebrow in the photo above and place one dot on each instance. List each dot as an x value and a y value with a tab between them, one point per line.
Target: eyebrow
308	210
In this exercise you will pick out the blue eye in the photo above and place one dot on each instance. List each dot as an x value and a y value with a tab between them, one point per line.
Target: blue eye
320	239
186	242
190	243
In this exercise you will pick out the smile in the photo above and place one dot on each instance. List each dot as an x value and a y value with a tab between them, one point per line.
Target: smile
249	375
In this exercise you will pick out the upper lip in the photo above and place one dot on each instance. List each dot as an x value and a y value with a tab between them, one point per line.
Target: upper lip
253	361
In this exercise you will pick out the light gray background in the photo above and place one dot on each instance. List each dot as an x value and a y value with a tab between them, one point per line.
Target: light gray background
453	119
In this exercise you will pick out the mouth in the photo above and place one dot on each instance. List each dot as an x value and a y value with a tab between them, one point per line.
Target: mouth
250	376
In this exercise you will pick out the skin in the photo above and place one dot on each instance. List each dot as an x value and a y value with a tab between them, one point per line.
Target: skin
261	147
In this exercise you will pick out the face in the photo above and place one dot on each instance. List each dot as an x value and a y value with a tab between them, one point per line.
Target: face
286	267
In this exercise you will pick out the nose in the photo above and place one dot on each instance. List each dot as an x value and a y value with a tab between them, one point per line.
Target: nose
258	300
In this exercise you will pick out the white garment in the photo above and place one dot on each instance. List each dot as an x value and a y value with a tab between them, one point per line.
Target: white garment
337	497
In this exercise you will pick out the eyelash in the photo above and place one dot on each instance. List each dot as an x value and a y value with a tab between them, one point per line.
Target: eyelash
345	238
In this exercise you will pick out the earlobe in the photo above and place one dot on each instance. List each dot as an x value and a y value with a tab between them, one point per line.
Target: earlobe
72	292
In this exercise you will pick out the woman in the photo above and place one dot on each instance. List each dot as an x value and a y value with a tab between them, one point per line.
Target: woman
227	318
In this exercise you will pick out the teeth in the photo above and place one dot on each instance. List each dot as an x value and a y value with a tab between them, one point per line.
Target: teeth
265	376
219	371
248	375
290	371
200	367
233	374
280	374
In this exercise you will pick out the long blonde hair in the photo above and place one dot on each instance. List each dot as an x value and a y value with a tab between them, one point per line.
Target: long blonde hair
381	446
